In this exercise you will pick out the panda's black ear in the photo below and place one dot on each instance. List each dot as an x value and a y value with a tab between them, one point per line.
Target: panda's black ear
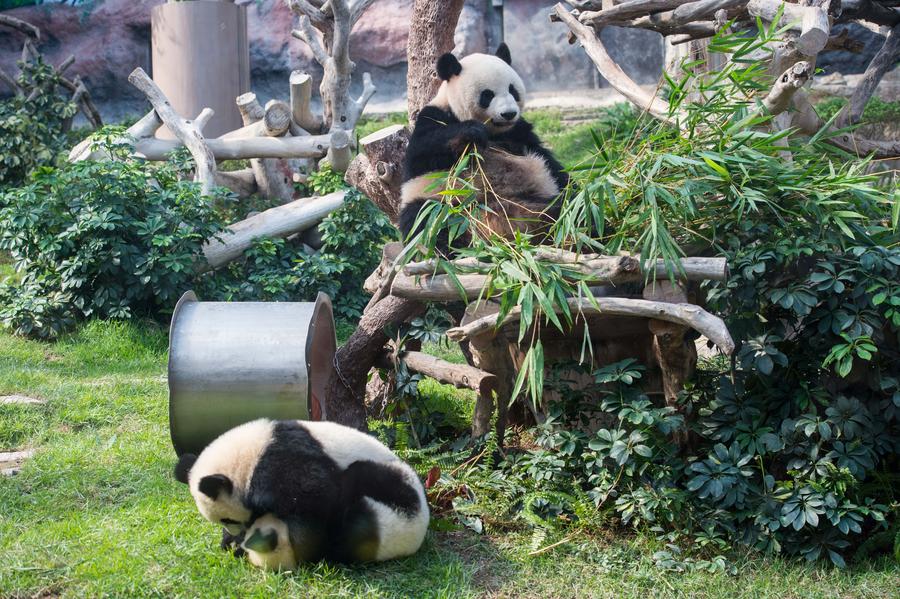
503	53
448	66
215	484
183	467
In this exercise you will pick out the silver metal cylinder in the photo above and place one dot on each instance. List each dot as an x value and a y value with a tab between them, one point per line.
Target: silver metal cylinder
232	362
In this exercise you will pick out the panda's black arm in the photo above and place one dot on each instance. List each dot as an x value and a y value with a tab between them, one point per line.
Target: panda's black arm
522	138
438	141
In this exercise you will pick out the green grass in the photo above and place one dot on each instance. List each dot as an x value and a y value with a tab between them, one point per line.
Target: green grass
96	512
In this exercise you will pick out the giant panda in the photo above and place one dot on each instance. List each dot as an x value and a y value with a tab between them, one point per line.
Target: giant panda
326	491
479	106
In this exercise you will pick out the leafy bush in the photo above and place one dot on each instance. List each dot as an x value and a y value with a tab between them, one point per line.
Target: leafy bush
108	239
32	131
795	448
283	270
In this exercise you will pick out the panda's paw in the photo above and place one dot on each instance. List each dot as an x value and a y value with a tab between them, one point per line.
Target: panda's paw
470	134
231	542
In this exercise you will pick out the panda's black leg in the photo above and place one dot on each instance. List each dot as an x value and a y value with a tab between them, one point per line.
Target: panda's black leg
232	542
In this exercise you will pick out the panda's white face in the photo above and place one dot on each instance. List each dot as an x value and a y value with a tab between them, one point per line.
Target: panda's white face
487	90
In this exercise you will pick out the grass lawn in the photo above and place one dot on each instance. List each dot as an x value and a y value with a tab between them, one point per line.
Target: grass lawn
96	512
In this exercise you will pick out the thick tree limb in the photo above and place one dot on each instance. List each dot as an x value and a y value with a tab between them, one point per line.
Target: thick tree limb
869	10
20	25
610	70
344	398
461	376
687	315
301	94
377	170
627	10
883	61
187	132
280	221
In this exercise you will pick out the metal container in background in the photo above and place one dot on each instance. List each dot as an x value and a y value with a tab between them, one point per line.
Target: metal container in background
201	58
233	362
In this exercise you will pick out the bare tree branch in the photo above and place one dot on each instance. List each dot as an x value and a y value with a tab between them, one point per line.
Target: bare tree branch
883	61
20	25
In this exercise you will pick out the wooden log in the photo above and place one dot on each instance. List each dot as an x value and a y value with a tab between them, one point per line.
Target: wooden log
676	355
627	10
461	376
301	95
792	16
684	314
491	353
439	288
21	26
344	397
314	146
377	171
250	108
280	221
186	132
610	270
611	71
814	30
339	152
277	118
869	10
242	182
779	97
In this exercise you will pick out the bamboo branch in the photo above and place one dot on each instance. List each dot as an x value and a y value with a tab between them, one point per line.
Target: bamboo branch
688	315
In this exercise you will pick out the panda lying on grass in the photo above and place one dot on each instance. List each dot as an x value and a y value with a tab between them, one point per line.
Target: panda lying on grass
479	107
291	491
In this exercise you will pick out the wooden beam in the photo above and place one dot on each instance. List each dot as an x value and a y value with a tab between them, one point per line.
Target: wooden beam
688	315
280	221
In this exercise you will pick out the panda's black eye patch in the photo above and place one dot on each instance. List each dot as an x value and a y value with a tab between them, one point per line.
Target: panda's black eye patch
486	98
514	92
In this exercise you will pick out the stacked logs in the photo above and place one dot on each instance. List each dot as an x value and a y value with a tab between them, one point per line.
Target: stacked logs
283	141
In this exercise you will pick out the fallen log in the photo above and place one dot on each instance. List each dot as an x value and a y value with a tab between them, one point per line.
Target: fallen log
280	221
461	376
688	315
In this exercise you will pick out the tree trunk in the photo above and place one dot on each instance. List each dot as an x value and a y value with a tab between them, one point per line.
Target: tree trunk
431	30
344	399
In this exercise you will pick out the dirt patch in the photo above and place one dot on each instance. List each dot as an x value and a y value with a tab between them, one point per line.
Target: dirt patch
11	461
20	400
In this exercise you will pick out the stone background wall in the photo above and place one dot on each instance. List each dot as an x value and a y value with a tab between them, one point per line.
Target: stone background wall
111	37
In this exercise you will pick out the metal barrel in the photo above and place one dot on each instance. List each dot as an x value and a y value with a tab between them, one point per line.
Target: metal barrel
233	362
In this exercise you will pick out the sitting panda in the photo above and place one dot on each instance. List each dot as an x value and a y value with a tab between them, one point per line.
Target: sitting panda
292	491
479	106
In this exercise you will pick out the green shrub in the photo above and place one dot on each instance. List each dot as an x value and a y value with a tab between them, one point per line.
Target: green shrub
110	239
32	131
794	450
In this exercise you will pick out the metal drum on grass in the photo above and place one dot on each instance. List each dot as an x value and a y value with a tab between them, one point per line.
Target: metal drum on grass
233	362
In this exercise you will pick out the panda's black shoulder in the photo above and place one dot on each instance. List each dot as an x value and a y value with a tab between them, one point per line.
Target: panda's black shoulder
434	116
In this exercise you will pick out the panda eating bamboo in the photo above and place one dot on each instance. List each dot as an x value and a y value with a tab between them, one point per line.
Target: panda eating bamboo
479	106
